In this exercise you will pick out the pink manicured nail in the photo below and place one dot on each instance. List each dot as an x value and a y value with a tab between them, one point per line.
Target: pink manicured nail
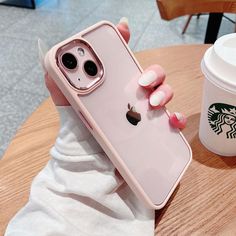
179	116
147	78
124	20
157	98
177	120
152	77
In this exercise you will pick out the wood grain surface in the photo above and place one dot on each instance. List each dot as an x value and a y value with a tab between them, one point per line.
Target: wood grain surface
204	203
170	9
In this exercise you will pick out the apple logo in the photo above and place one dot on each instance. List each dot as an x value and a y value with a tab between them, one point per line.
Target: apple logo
132	116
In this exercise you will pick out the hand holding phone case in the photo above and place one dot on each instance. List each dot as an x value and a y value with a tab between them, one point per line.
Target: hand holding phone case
149	154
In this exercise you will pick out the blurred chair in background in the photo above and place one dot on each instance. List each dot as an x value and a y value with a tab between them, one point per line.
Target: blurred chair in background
32	4
198	16
170	9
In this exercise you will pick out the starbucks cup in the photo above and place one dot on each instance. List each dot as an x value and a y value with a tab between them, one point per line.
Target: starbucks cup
217	130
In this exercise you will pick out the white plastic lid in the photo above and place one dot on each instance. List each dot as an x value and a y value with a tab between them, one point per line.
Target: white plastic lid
220	62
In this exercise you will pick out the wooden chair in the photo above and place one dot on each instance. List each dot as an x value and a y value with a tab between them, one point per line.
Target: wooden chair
170	9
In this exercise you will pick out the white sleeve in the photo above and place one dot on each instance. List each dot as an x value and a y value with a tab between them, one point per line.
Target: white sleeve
78	193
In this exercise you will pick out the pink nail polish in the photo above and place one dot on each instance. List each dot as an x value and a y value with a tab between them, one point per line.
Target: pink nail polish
178	121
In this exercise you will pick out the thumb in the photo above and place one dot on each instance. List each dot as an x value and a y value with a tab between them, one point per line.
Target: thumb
57	96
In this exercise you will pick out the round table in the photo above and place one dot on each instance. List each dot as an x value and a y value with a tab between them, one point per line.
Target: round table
204	201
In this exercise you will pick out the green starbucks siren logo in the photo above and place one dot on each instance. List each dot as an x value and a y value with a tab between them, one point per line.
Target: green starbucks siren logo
222	119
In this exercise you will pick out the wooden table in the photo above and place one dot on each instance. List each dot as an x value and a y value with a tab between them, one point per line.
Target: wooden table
205	200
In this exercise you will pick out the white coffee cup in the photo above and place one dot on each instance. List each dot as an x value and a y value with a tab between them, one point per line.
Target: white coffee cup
217	130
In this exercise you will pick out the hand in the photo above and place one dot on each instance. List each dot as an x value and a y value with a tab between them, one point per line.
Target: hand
152	79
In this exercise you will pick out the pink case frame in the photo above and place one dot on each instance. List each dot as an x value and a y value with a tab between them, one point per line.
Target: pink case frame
77	104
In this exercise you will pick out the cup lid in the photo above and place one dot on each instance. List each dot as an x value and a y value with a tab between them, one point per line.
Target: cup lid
220	61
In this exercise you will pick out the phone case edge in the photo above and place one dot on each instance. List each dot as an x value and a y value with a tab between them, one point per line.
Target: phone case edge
50	64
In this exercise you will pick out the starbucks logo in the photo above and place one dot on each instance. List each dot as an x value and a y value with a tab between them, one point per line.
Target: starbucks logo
222	119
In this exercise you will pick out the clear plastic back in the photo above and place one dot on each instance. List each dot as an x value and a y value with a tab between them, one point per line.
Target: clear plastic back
150	154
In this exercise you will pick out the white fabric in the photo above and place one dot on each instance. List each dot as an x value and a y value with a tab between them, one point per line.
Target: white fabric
79	192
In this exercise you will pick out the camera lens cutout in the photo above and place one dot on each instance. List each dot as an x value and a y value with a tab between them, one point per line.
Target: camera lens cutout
90	68
69	61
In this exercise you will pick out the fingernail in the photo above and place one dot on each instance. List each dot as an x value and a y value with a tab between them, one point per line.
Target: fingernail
147	78
157	98
178	120
179	116
124	20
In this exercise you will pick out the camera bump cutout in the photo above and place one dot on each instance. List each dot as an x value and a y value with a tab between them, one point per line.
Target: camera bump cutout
80	65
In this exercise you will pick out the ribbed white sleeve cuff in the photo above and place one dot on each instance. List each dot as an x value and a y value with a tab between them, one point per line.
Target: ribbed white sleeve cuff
79	193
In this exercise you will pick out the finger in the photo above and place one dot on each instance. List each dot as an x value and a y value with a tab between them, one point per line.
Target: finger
57	96
161	96
152	77
123	28
178	120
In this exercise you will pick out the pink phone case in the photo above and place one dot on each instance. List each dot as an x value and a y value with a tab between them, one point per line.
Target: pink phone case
151	156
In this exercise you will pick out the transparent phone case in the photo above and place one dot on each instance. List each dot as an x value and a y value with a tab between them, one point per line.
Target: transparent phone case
150	154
